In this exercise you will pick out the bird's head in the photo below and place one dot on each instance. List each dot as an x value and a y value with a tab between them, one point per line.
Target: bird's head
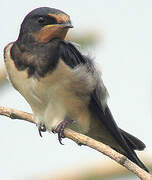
44	24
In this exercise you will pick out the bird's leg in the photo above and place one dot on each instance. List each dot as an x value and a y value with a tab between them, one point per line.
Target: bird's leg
41	128
60	129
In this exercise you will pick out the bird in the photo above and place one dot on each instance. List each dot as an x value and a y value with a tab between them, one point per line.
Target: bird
63	86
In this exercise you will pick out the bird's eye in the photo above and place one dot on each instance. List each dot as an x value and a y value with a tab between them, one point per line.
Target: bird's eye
46	20
41	20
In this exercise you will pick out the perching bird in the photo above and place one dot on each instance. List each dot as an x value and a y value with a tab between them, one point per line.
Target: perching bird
62	86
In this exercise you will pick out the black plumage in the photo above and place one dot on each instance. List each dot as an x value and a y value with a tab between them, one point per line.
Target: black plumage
72	57
47	71
38	59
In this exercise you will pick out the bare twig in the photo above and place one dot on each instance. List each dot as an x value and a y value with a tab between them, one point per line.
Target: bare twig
80	138
16	114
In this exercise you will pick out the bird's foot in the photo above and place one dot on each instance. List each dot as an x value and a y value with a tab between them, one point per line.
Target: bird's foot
60	129
41	128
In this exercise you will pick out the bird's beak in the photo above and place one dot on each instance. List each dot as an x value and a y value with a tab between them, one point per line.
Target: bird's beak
67	25
62	19
52	31
63	25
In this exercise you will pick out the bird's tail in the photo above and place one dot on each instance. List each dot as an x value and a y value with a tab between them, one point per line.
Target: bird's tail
104	129
134	144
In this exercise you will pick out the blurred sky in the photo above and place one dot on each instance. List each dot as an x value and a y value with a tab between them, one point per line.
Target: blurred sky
125	57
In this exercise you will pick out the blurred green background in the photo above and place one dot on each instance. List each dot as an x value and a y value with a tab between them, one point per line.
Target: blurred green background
118	35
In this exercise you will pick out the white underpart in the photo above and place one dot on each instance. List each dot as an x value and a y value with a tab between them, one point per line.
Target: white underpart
60	94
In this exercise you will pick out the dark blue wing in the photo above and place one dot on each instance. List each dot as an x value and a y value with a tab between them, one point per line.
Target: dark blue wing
72	57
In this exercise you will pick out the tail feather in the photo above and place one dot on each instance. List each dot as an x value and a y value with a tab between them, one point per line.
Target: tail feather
137	161
132	141
128	141
122	141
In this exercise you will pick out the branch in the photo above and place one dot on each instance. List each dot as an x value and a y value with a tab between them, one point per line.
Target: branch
80	138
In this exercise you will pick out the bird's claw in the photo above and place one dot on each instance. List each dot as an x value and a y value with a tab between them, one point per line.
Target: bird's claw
41	128
60	129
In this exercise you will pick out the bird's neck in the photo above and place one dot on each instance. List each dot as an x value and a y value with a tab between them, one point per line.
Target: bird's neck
38	59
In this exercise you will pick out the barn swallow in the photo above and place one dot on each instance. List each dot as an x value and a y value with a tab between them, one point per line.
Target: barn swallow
63	86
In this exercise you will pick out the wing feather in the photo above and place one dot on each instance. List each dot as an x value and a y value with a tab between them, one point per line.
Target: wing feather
73	58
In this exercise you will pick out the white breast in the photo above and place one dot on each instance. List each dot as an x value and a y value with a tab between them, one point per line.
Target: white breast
37	93
54	96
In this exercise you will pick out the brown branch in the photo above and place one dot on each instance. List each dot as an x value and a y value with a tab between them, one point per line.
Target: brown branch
80	138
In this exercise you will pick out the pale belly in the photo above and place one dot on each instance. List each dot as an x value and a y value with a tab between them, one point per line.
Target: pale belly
51	104
45	104
52	98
